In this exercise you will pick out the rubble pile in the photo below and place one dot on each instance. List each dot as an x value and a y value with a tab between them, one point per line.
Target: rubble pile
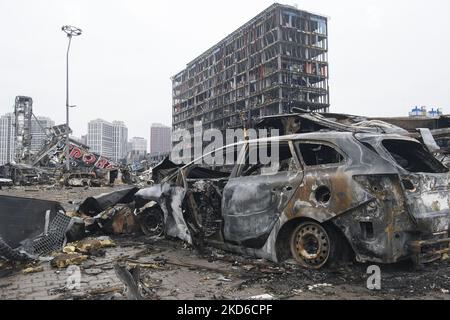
113	213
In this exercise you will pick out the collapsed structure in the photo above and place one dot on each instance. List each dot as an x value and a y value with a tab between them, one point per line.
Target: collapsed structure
47	165
43	164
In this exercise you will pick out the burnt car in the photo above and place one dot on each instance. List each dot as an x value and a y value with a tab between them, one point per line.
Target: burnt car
20	174
82	180
6	182
380	197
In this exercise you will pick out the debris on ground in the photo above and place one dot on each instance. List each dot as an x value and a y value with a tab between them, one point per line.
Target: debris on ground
91	245
265	296
64	260
33	269
157	241
320	285
69	249
224	279
130	277
119	220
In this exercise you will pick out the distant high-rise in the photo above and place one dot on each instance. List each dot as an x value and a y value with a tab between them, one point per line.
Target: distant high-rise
100	138
83	139
38	134
120	140
160	139
7	138
139	144
108	139
137	149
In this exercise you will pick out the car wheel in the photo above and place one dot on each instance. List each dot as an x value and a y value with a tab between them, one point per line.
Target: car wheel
151	221
313	245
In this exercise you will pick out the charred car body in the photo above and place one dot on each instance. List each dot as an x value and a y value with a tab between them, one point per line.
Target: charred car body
433	133
385	197
82	179
21	174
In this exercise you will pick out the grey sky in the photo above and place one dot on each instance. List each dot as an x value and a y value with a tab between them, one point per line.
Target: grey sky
385	55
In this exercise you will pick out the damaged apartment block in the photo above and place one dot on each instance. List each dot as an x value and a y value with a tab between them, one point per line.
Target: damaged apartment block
276	61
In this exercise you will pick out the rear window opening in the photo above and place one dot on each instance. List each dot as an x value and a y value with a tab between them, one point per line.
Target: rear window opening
413	157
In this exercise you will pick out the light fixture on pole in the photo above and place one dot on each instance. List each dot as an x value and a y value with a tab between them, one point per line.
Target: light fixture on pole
71	32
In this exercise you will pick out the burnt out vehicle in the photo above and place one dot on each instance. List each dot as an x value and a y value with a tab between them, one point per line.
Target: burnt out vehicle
382	198
20	174
82	180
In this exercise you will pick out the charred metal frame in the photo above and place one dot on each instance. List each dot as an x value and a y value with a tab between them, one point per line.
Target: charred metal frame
23	112
368	200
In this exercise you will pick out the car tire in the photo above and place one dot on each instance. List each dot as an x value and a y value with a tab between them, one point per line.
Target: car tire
314	245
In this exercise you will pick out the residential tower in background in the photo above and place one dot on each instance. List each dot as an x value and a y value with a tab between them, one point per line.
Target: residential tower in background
160	139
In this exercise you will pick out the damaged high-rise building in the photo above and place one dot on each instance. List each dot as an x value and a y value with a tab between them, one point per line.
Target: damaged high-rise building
276	61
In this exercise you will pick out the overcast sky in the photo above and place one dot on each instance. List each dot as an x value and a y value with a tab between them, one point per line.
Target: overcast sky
385	55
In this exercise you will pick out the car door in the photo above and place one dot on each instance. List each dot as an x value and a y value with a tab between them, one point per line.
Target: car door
326	190
255	197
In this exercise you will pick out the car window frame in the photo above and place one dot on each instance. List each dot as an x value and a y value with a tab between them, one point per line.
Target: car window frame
391	157
241	164
325	143
180	175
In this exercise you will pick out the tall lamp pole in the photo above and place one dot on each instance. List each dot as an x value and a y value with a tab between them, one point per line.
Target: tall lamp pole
71	32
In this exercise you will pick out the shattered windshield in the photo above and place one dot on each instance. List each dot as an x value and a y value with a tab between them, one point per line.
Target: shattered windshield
413	157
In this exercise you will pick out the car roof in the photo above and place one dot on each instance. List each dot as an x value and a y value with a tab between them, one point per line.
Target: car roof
325	136
378	137
328	136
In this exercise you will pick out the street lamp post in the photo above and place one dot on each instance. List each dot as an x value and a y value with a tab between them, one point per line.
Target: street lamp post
71	32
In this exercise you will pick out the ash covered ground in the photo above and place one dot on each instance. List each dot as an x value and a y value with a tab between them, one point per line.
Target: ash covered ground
170	269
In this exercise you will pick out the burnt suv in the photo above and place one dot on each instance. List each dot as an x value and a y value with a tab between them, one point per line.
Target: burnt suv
383	198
